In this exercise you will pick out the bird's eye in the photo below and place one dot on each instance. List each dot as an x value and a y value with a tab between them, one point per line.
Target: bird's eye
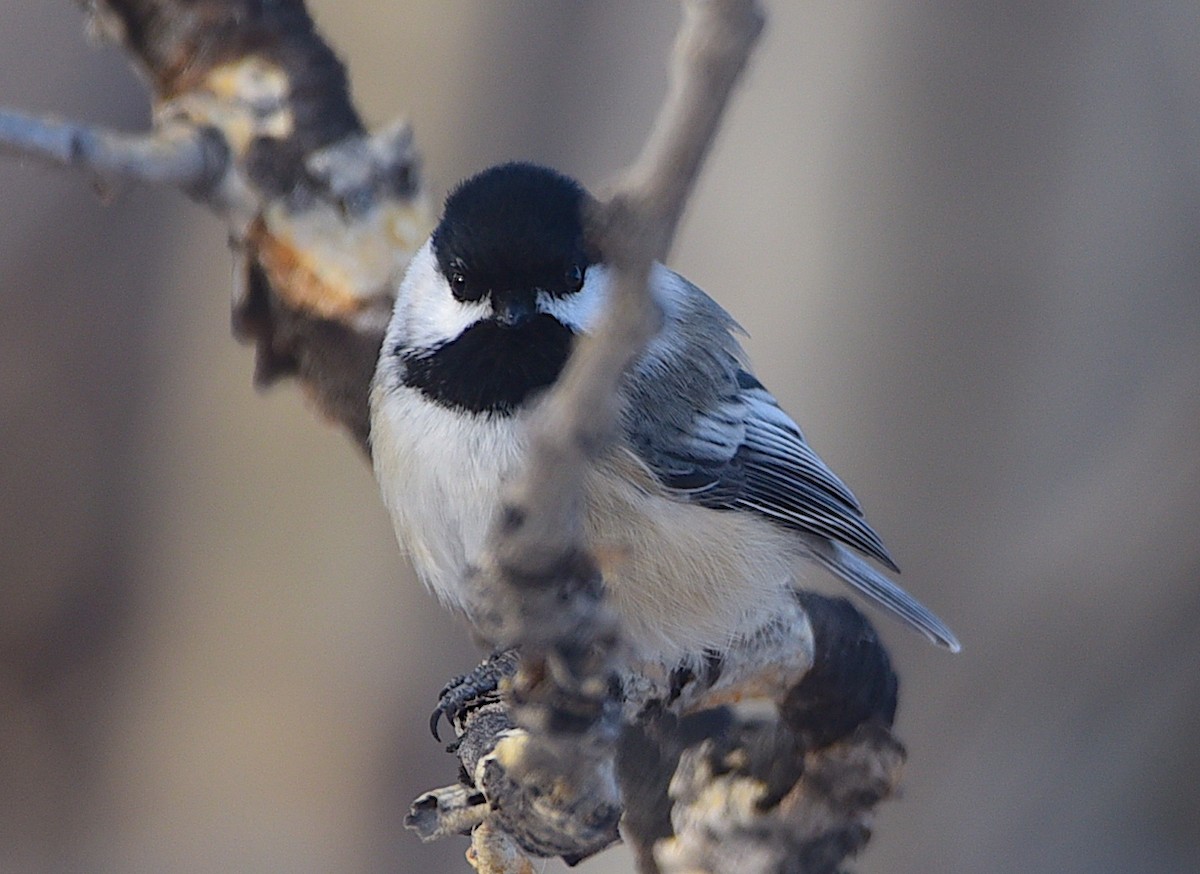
574	278
459	286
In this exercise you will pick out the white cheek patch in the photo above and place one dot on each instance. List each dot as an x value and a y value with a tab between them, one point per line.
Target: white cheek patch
582	311
427	313
579	311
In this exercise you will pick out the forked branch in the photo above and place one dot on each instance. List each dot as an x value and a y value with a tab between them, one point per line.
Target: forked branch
254	119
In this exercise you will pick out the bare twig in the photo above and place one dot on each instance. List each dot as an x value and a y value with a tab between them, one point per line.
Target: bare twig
178	155
631	230
710	54
451	810
542	591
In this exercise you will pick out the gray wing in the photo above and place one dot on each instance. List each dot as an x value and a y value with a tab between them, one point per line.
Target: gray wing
713	435
710	432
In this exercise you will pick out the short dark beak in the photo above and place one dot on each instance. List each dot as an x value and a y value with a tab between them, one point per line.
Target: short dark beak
513	309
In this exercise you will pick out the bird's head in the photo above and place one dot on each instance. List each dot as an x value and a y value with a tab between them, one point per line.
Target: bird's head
489	306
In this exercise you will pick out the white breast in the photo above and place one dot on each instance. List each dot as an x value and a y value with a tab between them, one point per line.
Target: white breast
440	473
683	578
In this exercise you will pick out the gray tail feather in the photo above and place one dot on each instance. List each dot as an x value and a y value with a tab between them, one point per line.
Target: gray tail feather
883	592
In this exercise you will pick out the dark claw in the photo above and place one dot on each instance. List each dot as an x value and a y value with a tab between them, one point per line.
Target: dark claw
472	690
680	677
434	719
707	677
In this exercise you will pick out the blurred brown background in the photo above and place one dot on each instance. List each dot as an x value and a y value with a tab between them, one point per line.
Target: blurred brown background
965	239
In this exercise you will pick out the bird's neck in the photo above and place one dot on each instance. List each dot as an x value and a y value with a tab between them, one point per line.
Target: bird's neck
490	368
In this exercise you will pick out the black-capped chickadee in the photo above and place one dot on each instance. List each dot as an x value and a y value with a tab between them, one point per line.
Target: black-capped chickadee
708	510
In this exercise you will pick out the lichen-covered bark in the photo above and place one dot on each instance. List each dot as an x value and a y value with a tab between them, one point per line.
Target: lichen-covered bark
322	214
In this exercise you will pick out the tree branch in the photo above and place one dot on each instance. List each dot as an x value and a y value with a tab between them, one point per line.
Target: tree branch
631	230
254	119
713	47
579	417
178	155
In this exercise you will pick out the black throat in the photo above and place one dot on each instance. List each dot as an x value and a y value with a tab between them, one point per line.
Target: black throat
489	367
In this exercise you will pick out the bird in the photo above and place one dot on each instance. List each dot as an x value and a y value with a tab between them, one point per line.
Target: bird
710	509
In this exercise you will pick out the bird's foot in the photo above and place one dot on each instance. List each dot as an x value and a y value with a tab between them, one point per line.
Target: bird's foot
695	678
472	690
